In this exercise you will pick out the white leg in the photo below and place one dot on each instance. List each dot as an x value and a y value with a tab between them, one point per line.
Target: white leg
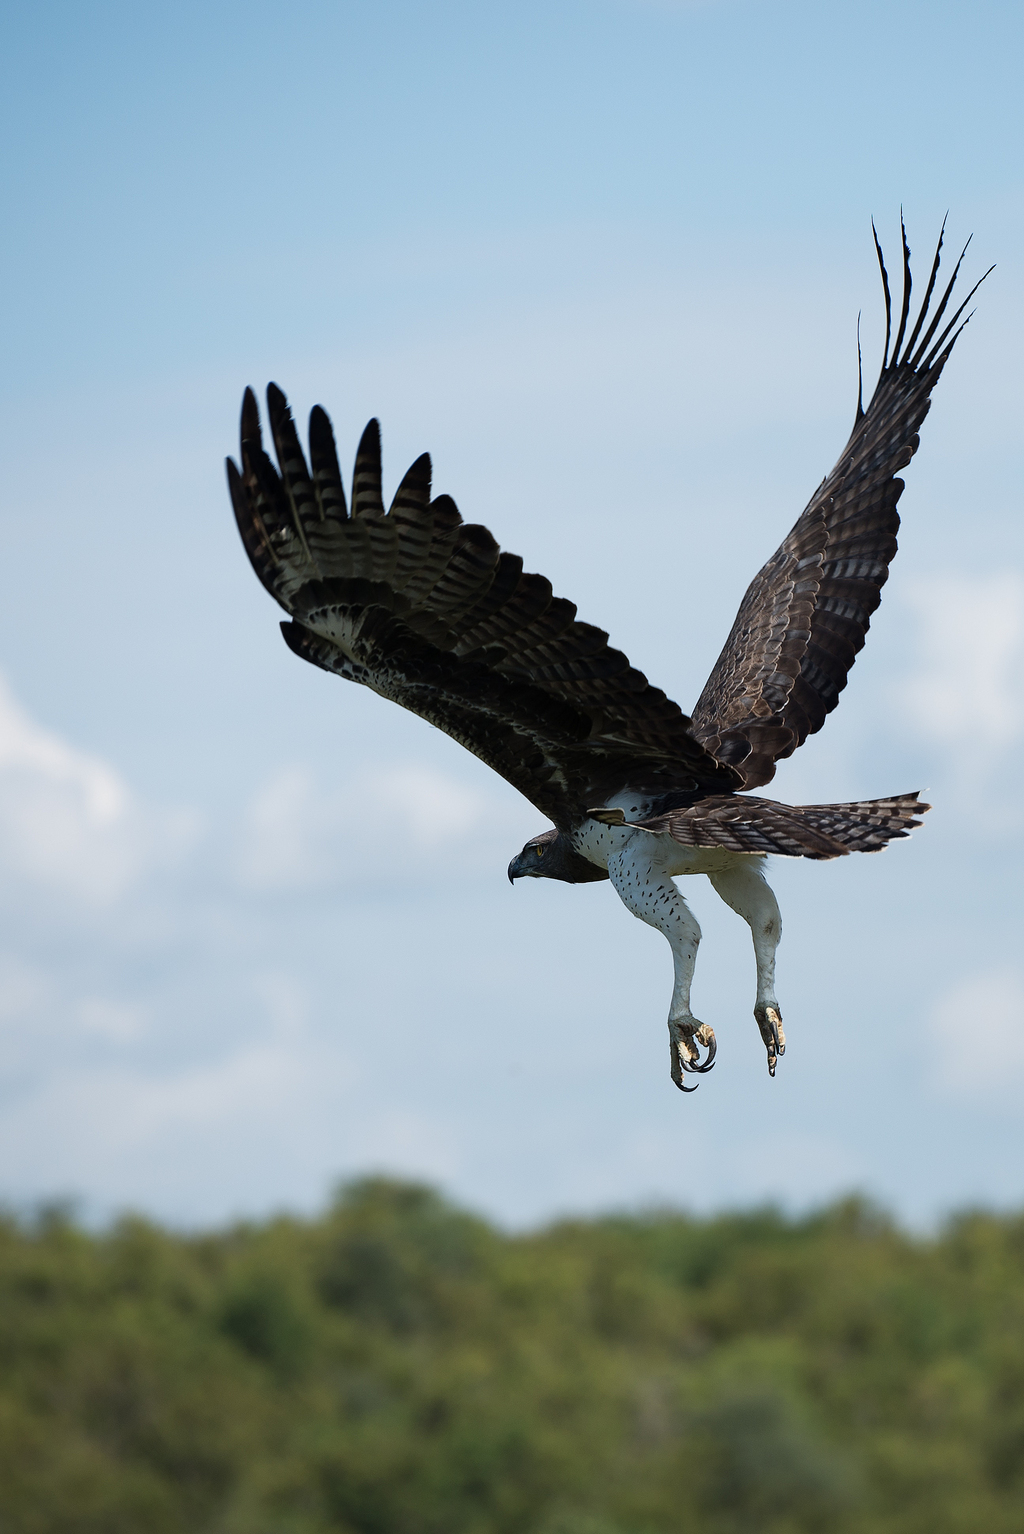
653	898
743	888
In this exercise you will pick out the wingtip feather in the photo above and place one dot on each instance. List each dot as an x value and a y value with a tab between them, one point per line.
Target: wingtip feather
250	422
369	442
366	475
907	287
323	457
320	425
887	294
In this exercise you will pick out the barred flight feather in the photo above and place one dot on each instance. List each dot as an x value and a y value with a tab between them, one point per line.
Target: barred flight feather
429	611
805	616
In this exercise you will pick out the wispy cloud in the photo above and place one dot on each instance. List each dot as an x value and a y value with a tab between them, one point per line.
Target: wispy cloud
185	1009
68	823
960	695
967	690
979	1031
297	833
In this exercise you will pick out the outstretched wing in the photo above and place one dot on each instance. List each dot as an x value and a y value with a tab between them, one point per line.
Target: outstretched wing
426	610
805	616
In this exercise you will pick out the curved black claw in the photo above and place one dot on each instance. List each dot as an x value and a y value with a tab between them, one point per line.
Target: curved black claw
780	1048
697	1067
769	1020
706	1036
684	1039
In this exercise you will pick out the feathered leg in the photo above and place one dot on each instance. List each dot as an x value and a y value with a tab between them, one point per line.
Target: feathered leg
743	887
647	891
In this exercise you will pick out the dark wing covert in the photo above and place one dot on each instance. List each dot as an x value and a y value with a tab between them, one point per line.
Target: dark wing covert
805	616
426	610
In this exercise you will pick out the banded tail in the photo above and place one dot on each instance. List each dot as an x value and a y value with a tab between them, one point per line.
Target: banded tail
739	823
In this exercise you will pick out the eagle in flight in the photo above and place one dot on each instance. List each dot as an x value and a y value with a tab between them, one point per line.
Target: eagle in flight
428	611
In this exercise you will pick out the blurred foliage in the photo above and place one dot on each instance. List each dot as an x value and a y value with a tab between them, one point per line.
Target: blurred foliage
400	1367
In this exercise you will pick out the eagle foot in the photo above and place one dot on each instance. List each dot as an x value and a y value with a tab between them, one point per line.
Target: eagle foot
684	1039
769	1020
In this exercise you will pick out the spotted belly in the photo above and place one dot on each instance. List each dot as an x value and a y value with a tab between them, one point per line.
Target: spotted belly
598	842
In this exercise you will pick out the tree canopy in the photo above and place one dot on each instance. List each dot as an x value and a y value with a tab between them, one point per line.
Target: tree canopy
399	1366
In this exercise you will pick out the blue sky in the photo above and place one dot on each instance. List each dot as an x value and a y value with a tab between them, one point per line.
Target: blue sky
604	260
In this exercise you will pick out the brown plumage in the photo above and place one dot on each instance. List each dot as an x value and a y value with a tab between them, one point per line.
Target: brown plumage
428	611
742	823
805	615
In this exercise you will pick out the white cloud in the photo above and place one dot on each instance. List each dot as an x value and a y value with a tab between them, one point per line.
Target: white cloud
67	821
280	847
142	1107
432	807
979	1030
296	834
968	690
84	1126
25	745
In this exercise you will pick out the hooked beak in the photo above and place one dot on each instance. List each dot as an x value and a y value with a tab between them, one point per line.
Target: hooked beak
516	869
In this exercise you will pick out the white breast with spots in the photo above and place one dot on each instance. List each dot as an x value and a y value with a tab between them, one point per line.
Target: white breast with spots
598	843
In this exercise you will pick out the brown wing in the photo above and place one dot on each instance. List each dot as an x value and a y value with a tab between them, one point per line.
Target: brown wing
427	610
805	616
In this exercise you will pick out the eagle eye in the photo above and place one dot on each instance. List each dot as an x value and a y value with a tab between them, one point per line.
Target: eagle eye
540	851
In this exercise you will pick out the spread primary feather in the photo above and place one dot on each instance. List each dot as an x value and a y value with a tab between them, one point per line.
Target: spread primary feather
427	610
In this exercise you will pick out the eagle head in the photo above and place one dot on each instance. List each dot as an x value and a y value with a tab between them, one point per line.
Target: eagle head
551	855
530	862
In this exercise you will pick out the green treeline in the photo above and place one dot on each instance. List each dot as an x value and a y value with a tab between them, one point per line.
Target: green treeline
400	1367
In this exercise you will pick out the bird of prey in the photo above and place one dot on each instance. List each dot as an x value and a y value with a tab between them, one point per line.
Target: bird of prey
428	611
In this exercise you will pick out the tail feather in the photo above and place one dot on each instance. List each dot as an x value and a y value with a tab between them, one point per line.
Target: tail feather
742	823
865	826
